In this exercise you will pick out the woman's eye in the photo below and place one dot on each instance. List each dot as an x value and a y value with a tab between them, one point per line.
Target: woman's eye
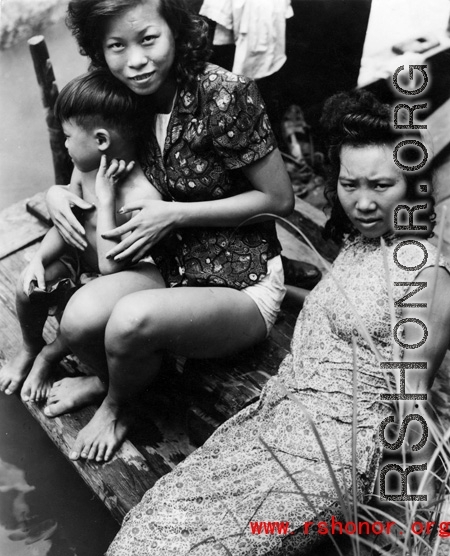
347	185
115	46
382	186
148	39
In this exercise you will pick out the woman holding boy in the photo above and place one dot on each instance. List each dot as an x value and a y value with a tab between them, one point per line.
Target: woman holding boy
211	154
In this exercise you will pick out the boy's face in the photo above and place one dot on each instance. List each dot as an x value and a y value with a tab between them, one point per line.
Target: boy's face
82	146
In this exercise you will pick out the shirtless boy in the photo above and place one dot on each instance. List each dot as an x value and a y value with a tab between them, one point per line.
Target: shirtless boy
98	116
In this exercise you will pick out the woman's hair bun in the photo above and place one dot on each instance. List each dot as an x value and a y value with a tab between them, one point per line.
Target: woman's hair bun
356	117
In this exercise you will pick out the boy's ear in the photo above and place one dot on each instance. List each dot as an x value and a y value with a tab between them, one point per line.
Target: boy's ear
103	139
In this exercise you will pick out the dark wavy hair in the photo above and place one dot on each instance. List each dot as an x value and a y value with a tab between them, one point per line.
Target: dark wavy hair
87	20
97	98
359	119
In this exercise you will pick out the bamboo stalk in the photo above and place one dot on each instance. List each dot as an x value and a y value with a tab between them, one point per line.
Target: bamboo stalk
49	91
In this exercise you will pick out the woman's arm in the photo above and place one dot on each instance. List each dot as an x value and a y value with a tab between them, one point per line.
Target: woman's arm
436	318
272	194
60	201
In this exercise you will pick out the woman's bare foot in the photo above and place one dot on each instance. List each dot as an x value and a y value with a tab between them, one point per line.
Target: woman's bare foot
38	383
13	373
70	394
103	435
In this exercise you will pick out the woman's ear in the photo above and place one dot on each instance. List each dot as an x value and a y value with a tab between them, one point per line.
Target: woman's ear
103	139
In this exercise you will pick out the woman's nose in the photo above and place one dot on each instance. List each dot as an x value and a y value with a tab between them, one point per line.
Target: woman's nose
137	58
365	202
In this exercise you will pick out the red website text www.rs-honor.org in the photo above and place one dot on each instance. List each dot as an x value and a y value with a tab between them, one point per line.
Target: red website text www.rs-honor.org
336	527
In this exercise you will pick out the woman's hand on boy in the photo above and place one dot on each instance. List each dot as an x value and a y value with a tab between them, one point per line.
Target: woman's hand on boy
60	202
154	220
34	272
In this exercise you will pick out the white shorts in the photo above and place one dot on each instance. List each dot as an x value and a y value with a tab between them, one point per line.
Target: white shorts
269	292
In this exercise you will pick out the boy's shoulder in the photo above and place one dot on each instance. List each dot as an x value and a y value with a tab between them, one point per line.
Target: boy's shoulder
137	186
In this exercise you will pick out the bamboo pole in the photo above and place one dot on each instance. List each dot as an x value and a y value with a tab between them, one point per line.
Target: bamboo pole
49	91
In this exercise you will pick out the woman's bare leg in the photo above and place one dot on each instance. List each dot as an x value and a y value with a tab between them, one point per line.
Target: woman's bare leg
83	329
193	322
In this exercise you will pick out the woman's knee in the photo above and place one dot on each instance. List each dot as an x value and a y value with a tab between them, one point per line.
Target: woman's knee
133	326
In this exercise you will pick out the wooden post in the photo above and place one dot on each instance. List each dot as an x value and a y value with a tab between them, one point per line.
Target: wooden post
49	91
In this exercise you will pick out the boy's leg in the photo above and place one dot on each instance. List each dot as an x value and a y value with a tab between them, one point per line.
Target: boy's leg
38	383
32	315
194	322
83	329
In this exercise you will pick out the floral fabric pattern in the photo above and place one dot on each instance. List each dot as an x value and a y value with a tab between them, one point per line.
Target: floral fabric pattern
204	506
216	128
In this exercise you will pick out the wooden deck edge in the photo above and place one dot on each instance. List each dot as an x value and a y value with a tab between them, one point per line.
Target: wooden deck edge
121	483
18	230
135	474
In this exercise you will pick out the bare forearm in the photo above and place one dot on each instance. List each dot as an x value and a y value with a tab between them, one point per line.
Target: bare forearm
52	247
106	220
226	212
272	193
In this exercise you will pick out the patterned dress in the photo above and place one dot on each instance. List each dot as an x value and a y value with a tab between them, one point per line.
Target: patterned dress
265	464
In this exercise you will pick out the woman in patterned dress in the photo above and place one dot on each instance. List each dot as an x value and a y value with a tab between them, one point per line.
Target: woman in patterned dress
265	463
208	148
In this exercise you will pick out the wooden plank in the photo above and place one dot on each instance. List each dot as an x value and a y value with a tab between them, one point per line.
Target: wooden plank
120	483
180	411
37	207
17	229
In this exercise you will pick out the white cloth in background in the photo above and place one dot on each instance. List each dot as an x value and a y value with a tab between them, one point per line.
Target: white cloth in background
258	29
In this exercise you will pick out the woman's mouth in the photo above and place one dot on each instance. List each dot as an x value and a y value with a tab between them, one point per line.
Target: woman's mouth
143	77
368	222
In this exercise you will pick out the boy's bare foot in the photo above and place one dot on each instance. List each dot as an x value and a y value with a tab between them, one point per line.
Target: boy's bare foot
13	373
103	435
38	383
70	394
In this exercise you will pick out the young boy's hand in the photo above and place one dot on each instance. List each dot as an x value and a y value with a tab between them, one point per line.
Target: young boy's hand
35	271
109	176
